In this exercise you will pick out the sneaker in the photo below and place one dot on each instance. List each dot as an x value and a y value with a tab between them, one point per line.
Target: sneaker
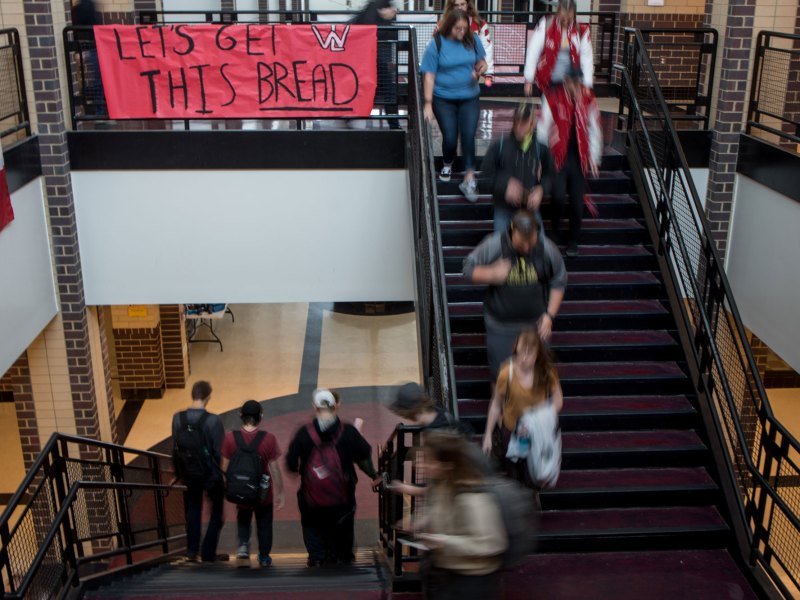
313	563
218	558
192	558
243	552
572	250
264	561
445	173
469	189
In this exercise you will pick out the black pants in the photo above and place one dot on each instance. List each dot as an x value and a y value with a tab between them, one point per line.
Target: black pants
569	181
328	532
263	514
439	584
193	504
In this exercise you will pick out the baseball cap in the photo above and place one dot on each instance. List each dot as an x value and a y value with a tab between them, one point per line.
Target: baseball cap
323	398
251	408
409	397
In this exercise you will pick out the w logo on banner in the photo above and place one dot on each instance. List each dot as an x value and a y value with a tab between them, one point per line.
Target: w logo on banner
6	213
333	42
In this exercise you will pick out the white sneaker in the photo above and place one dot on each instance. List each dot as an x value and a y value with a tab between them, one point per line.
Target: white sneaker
469	189
446	172
243	552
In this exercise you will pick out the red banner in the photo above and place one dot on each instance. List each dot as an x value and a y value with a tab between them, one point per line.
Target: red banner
6	212
237	71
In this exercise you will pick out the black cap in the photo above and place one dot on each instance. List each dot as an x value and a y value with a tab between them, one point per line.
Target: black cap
409	396
251	408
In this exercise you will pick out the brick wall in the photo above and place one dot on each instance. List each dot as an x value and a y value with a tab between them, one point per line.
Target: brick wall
775	373
174	345
137	347
17	384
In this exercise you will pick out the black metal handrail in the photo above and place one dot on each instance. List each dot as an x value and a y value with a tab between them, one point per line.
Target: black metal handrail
14	115
774	108
100	505
432	322
684	61
759	454
395	460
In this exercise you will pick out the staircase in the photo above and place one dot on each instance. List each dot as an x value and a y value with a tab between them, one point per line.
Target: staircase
637	475
288	578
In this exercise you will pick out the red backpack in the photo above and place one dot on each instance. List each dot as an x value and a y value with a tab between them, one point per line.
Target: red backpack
323	481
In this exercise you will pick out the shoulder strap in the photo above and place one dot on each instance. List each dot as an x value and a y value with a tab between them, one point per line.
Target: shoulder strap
544	268
312	433
437	39
510	377
254	443
202	420
183	419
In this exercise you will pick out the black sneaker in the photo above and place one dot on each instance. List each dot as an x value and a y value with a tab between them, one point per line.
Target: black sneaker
572	250
218	558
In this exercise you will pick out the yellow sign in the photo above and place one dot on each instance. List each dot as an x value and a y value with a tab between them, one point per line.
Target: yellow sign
137	311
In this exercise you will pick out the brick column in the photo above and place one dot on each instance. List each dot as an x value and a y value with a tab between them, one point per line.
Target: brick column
49	107
175	346
17	381
736	38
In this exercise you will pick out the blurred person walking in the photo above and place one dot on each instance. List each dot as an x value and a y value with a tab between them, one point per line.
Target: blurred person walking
323	452
560	60
463	525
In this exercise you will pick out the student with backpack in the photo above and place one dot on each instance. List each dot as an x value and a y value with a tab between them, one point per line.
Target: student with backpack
324	453
197	442
525	277
527	383
250	463
463	525
453	62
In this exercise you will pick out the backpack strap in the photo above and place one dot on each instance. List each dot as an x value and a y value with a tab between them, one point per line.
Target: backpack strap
317	441
437	39
254	443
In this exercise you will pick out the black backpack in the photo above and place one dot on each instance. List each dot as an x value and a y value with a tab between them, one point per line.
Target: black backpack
245	471
520	517
190	455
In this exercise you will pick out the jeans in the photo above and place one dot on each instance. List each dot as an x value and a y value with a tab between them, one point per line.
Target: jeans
193	504
263	514
569	181
458	117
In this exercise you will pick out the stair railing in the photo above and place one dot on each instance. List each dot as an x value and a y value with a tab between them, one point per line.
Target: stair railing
14	116
433	325
773	112
87	508
759	455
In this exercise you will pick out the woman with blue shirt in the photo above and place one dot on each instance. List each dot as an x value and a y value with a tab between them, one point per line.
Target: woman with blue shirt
452	64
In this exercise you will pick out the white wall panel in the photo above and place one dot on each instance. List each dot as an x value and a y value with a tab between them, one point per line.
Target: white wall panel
27	290
160	237
763	266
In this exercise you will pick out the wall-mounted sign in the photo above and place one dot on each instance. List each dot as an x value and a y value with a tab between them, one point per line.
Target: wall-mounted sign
137	311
